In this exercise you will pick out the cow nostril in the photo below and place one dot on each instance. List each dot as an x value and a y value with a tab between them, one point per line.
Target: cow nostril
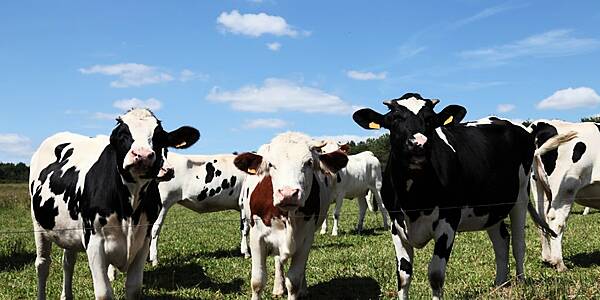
151	155
296	193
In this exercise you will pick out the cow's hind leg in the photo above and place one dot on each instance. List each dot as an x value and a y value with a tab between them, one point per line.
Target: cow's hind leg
404	261
444	240
500	241
42	261
362	209
69	259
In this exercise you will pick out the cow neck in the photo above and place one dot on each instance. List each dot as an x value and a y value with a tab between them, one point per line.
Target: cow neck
135	186
399	162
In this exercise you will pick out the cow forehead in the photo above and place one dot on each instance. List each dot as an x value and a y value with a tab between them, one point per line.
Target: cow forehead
141	123
413	104
288	153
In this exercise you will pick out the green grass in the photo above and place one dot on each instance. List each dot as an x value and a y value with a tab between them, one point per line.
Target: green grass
199	260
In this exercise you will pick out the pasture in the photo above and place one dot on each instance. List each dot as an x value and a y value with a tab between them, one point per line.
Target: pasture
199	260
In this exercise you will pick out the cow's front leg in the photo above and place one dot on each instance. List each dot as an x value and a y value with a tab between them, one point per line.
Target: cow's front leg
69	259
156	228
295	280
259	263
279	280
444	240
500	241
404	260
135	274
99	268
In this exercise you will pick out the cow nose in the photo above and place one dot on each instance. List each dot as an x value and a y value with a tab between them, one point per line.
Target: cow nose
418	139
142	154
288	193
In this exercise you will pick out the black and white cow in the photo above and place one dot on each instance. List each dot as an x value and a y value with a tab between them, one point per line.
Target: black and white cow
568	155
360	179
286	199
202	183
100	195
443	177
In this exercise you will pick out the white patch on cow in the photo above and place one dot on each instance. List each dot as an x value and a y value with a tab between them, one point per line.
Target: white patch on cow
420	139
419	230
413	104
471	222
141	124
443	137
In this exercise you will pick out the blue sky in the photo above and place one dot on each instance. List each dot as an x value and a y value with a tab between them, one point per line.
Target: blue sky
243	71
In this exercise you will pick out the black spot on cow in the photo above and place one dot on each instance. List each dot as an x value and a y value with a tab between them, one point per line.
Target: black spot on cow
232	181
440	249
313	202
225	184
339	178
406	266
210	173
218	173
436	280
203	194
504	231
434	225
215	161
218	190
231	192
211	193
197	177
326	181
102	221
543	132
597	126
44	214
578	151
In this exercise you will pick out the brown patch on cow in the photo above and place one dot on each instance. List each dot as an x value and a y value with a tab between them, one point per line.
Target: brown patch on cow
248	162
334	161
261	202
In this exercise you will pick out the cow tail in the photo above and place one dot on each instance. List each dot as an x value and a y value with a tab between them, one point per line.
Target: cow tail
539	222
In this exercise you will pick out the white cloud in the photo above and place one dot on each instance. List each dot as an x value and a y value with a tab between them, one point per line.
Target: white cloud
571	98
126	104
553	43
486	13
274	46
265	123
358	75
130	74
504	108
15	147
408	50
256	25
280	94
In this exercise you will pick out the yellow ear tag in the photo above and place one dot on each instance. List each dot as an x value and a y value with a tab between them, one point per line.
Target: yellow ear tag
252	171
374	125
449	120
181	144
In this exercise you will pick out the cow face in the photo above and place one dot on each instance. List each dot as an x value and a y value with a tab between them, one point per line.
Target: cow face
141	145
291	160
411	122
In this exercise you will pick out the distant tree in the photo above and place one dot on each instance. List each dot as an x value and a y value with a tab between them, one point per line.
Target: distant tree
11	173
595	119
379	146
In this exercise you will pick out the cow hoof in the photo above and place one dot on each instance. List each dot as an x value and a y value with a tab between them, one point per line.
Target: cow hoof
323	232
334	233
561	267
247	255
278	292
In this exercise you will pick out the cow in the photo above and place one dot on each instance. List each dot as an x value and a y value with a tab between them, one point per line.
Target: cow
443	177
99	195
361	176
286	198
567	161
202	183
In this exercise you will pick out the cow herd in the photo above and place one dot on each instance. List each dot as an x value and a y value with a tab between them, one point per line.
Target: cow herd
108	196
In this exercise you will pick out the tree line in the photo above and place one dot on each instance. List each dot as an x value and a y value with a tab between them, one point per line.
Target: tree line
13	173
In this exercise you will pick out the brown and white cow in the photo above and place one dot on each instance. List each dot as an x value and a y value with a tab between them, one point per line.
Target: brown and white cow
286	200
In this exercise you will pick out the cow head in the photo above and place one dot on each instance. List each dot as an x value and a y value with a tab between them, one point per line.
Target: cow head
411	122
291	160
141	145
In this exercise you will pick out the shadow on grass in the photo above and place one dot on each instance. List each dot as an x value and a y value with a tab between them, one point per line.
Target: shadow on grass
346	288
17	257
368	232
585	260
174	275
223	253
333	244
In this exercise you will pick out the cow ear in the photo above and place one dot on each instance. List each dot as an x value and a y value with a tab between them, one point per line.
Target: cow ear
451	115
334	161
345	148
368	118
248	162
183	137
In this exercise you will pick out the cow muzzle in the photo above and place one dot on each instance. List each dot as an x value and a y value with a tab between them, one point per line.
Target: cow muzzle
287	198
139	160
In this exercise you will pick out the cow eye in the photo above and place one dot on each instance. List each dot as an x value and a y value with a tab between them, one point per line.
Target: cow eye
271	166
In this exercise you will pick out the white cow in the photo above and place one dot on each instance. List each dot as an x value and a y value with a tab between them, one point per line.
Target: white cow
202	183
286	200
360	176
100	195
568	171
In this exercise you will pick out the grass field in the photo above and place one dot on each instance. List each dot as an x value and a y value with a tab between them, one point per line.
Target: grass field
199	260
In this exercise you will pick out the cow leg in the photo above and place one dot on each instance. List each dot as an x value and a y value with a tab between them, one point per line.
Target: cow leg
279	280
444	240
557	222
42	261
69	259
336	214
324	225
112	272
384	212
518	218
404	261
586	211
259	263
362	209
500	241
295	280
99	268
135	275
541	207
244	231
156	228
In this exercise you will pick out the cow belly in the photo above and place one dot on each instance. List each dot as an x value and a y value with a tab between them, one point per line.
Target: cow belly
469	221
589	195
